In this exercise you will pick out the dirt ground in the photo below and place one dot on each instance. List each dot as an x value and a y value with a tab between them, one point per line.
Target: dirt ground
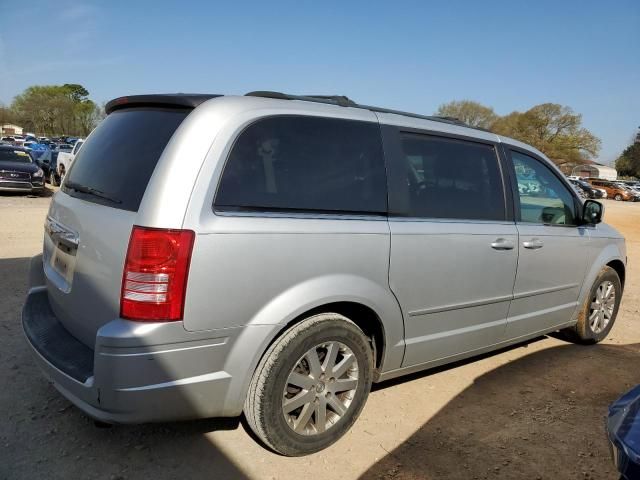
535	411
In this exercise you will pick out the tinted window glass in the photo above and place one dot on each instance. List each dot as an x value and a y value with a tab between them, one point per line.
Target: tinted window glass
11	155
120	155
305	164
543	197
450	178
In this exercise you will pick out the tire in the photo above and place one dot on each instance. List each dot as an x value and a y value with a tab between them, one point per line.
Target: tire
53	181
301	431
618	197
584	331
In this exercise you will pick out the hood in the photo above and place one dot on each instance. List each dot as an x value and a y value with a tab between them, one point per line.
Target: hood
19	167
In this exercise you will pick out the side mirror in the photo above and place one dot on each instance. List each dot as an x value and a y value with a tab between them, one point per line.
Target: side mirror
592	212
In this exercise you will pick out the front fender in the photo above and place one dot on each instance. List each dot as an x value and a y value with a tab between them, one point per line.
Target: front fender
603	256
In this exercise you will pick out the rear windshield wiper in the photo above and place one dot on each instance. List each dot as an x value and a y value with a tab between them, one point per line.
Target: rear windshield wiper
90	191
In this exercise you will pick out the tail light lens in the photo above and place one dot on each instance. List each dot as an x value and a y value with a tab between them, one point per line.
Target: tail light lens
155	273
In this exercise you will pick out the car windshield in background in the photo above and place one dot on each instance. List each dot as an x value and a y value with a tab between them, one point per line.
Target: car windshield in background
11	155
114	166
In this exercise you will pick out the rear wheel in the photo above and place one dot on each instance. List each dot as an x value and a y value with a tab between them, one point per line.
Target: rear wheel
599	310
618	197
311	385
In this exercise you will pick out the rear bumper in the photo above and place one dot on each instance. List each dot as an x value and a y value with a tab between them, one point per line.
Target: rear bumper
144	372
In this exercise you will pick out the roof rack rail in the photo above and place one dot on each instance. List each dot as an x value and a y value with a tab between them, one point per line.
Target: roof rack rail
340	100
344	101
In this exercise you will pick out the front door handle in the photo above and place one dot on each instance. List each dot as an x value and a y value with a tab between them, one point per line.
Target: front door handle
502	244
533	244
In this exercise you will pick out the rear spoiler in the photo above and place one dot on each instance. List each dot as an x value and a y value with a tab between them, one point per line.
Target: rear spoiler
163	100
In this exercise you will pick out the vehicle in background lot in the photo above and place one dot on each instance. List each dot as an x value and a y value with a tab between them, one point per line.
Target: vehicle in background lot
10	140
18	171
588	191
64	147
42	154
208	255
65	158
632	186
613	190
623	430
634	192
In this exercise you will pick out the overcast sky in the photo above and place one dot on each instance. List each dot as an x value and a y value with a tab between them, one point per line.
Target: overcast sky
409	55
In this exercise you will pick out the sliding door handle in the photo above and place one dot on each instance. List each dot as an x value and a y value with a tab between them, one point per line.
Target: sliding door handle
502	244
533	244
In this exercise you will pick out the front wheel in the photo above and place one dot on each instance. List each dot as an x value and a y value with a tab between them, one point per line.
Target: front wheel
618	197
599	310
310	385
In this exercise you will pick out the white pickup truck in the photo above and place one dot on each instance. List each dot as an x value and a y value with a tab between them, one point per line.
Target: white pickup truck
66	158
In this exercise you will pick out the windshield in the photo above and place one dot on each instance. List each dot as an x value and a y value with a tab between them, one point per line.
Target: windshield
10	155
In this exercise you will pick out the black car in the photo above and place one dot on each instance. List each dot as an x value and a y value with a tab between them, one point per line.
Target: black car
589	191
623	429
18	171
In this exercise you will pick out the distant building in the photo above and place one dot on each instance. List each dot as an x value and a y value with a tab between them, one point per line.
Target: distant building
595	170
9	129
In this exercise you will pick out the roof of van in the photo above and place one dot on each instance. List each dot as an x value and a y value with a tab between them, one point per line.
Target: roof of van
192	100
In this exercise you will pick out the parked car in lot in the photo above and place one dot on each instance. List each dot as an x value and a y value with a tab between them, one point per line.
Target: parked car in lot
65	158
613	190
587	189
18	171
634	189
623	429
274	255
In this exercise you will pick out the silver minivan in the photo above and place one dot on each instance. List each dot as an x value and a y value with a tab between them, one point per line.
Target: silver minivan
274	255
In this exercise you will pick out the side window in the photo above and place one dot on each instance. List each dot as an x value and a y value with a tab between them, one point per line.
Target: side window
543	197
77	147
305	164
450	178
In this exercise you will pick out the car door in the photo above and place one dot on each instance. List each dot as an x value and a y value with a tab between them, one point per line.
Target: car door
552	247
453	257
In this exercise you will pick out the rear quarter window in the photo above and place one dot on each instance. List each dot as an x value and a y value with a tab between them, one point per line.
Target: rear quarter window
305	164
117	160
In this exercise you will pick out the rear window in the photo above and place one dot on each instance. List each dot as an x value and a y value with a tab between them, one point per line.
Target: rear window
305	164
114	165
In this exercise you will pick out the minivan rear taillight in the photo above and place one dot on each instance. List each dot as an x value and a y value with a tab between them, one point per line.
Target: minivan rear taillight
155	273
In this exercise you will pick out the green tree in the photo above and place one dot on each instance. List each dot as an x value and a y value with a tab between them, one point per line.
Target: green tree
56	109
77	92
628	163
6	115
470	112
555	130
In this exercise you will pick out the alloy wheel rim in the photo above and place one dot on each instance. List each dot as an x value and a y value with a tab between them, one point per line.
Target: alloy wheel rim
320	388
602	306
